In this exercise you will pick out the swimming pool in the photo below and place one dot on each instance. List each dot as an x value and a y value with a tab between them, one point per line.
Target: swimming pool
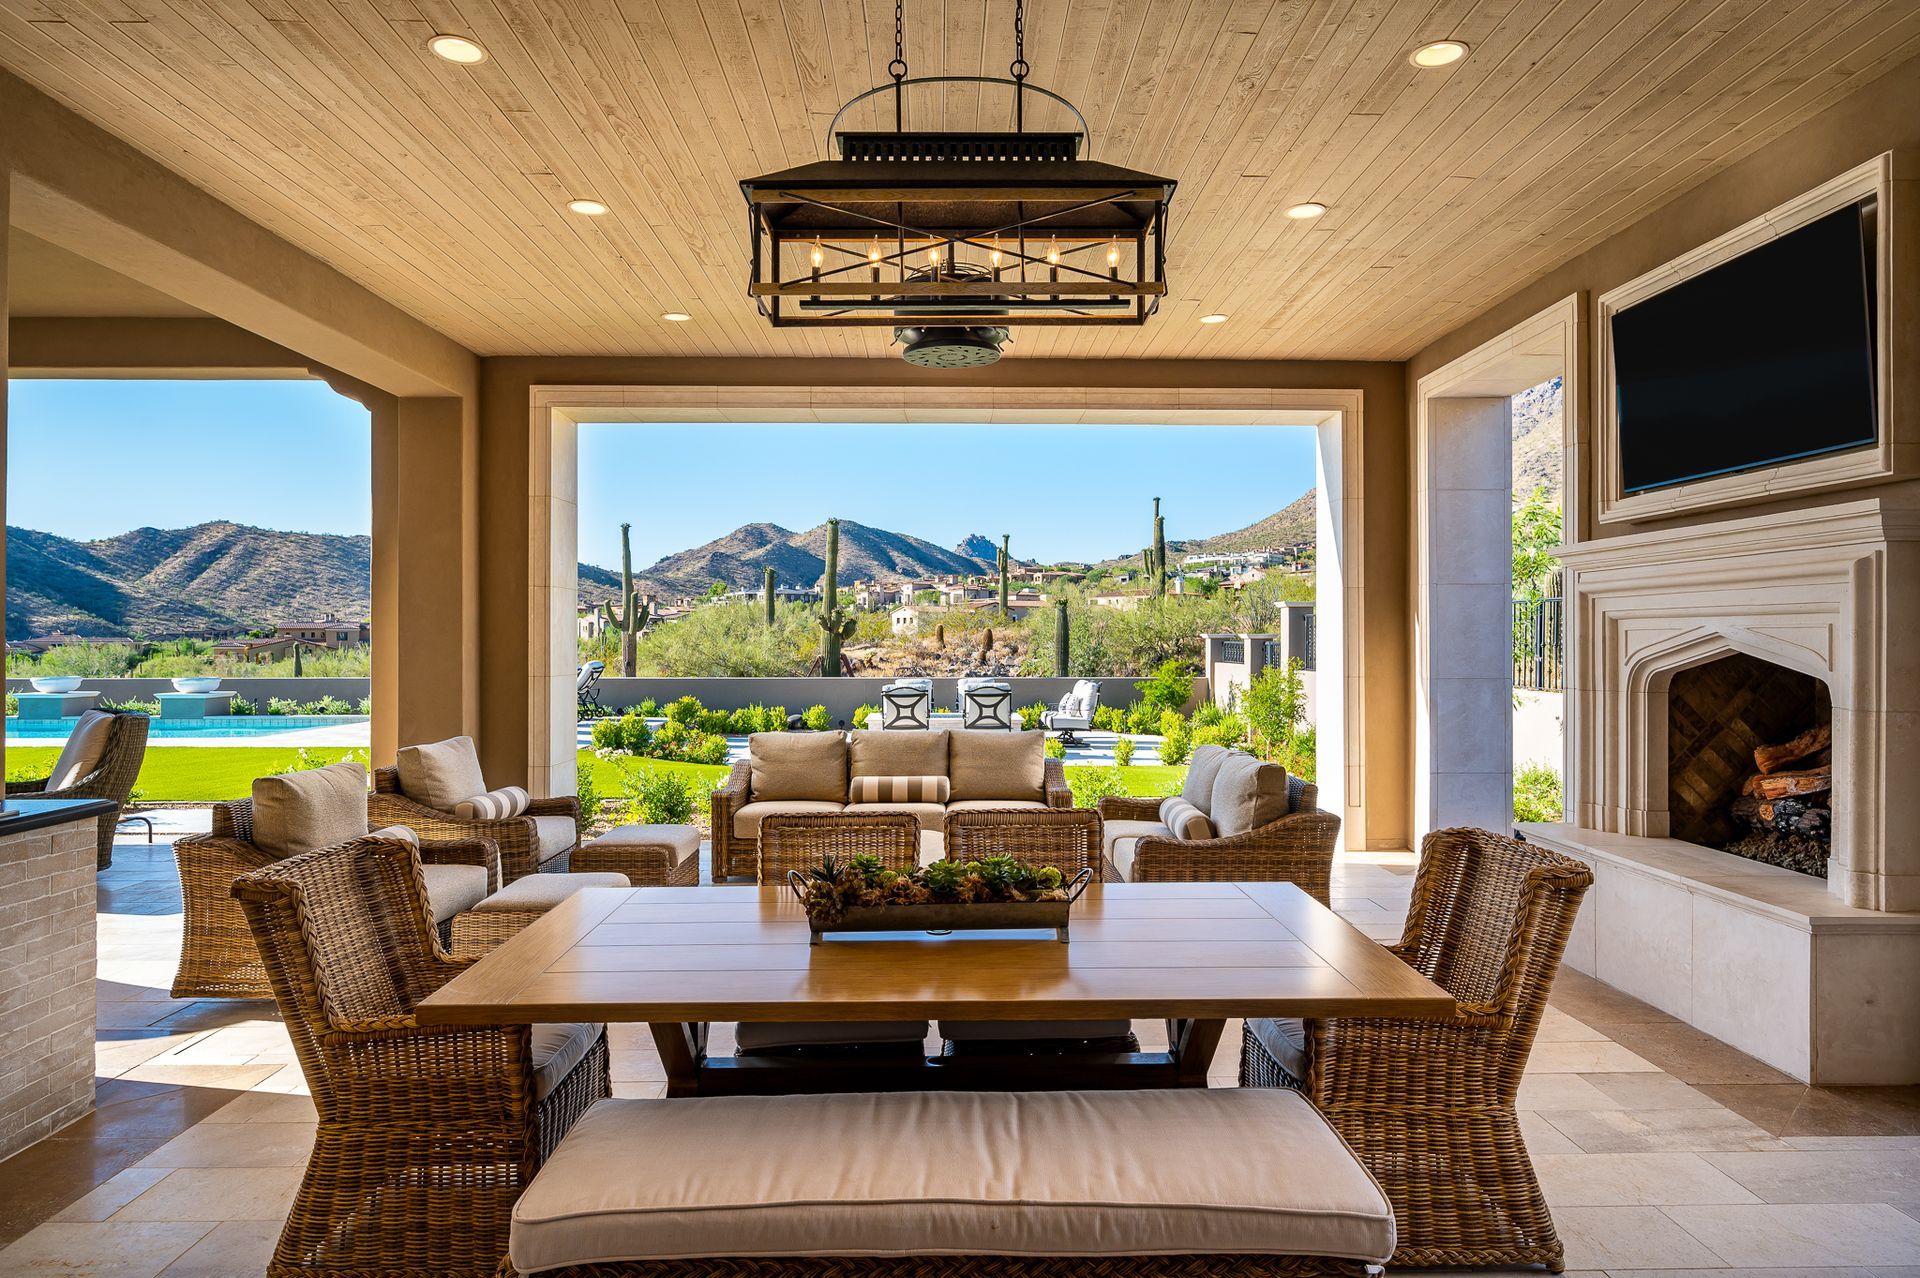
228	726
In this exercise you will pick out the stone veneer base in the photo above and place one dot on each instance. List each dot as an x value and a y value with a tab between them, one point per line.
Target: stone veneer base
1763	959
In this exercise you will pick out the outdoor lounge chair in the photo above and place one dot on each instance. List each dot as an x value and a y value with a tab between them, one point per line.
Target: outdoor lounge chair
1074	713
100	760
987	704
906	705
542	838
586	686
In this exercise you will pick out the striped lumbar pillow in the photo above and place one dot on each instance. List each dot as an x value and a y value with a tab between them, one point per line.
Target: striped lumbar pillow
898	790
494	805
1185	820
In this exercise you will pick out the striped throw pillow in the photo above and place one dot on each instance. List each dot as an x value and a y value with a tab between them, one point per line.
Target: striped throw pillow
494	805
898	790
1185	820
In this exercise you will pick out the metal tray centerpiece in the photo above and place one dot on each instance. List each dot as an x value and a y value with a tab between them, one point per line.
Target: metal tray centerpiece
1000	893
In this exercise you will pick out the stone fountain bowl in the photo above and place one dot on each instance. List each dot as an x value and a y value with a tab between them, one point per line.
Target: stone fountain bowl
55	683
195	685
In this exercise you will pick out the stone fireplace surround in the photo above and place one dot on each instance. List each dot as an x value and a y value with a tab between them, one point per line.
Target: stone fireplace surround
1817	980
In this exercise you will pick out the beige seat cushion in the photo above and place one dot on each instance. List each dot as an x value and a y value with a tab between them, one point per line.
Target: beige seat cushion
753	1036
995	805
557	1049
747	817
1202	768
86	746
1111	832
1285	1040
553	835
682	840
453	889
442	774
534	892
1175	1171
1022	1031
1247	794
798	765
302	811
898	754
998	765
932	816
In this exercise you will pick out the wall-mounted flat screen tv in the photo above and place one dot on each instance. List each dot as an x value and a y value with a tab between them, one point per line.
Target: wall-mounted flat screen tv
1763	359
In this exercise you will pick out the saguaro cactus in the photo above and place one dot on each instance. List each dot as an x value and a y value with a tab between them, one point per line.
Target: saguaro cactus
767	596
1159	552
634	612
836	623
1060	637
1006	560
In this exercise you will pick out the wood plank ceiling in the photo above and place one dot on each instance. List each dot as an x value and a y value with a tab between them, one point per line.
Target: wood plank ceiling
443	187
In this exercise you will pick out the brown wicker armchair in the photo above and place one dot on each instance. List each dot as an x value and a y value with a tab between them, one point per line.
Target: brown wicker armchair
1429	1105
518	838
218	958
112	778
1298	848
427	1135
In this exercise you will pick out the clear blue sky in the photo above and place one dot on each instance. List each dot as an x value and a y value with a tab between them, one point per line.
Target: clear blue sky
88	459
1080	492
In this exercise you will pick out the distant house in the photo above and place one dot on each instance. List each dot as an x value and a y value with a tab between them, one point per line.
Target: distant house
1018	604
42	643
781	594
907	617
328	632
243	649
965	592
1122	602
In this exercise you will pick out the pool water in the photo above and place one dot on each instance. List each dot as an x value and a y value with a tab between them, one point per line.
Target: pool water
240	725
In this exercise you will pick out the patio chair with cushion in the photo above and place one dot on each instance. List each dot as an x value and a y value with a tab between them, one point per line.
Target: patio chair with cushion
1074	713
1235	819
288	816
906	705
987	704
427	1135
1429	1106
437	790
586	686
100	760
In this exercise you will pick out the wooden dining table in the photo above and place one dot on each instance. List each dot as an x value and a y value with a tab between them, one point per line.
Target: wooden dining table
679	959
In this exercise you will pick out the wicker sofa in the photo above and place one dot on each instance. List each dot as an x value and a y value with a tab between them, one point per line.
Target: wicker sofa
100	760
1273	839
419	793
929	775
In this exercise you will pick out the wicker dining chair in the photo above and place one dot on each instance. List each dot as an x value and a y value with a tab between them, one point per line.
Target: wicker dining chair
1066	838
427	1135
111	778
1297	848
800	841
218	957
518	838
1429	1105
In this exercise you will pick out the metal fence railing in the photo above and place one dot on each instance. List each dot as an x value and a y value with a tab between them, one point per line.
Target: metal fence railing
1310	650
1540	644
1233	651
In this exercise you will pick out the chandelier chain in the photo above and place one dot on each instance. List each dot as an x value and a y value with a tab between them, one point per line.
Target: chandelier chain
1019	67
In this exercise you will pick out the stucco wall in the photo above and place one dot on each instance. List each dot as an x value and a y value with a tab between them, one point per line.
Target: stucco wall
842	697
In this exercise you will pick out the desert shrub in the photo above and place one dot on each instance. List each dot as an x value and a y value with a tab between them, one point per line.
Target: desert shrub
1055	748
328	705
365	706
1142	718
282	705
656	796
609	734
1110	719
1169	689
744	721
1030	716
1090	785
1536	793
713	721
1176	738
13	706
89	660
648	707
1275	706
1123	752
1229	730
683	743
586	788
683	709
862	713
131	707
1208	714
816	718
240	705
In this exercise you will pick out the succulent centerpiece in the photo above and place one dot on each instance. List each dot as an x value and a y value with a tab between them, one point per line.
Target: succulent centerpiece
862	894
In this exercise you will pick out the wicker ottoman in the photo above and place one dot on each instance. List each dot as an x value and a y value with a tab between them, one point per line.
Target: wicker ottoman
514	906
649	855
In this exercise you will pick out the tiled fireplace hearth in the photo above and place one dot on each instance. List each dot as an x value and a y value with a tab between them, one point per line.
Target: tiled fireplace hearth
1791	616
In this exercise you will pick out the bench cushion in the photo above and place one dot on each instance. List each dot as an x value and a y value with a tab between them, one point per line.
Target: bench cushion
539	892
1121	839
557	1049
1171	1172
682	840
1285	1039
747	817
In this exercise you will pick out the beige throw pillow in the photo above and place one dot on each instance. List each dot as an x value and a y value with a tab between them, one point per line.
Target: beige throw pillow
441	774
997	765
899	754
303	811
798	765
1185	820
1197	789
86	746
1247	794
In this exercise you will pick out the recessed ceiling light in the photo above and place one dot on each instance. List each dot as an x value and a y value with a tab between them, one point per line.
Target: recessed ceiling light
1441	53
1215	318
457	49
586	208
678	317
1306	212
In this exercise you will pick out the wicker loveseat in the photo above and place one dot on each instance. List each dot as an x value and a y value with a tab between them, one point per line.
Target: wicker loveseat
791	773
541	839
100	761
1296	846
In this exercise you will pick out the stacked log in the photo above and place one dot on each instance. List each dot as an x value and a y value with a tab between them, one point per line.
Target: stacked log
1786	804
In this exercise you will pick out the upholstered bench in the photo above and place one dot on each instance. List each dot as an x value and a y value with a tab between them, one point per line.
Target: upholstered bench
519	903
649	855
915	1183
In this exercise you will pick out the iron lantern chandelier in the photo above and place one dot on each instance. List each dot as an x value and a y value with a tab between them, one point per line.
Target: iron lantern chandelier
950	237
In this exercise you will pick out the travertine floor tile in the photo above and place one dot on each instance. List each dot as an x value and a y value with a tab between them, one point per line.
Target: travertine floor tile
1600	1057
218	1193
108	1249
119	1190
1634	1180
231	1249
1826	1176
267	1107
1562	1091
1615	1131
1780	1235
236	1145
1629	1238
1651	1091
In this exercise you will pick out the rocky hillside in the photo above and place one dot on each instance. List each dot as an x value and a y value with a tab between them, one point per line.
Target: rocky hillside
1536	439
741	557
1293	526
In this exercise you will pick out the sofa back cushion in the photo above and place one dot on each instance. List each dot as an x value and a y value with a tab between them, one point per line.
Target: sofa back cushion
798	765
899	754
997	765
306	811
1247	794
442	774
933	789
86	746
1197	789
1185	820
